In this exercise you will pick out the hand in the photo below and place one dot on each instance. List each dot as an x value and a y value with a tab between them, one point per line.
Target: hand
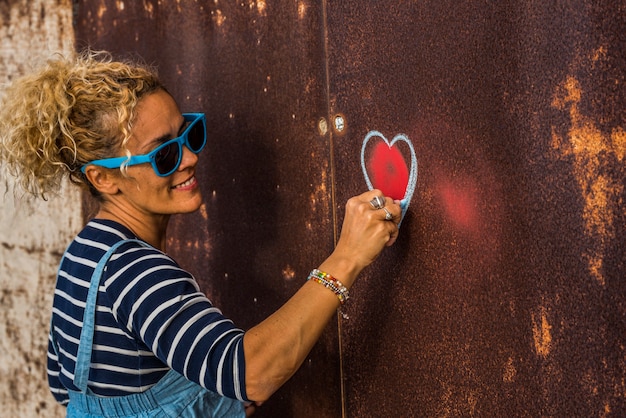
366	231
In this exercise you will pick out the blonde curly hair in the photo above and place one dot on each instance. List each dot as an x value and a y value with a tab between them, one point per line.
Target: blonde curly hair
68	113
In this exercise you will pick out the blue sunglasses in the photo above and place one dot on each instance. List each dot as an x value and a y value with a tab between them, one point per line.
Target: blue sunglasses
165	158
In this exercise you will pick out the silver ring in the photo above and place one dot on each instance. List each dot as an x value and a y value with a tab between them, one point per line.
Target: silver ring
377	202
388	215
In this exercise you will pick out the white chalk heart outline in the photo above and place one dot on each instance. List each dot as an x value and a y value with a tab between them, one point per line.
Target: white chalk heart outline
410	186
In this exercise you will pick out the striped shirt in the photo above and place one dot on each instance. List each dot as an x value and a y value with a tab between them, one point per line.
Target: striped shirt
150	316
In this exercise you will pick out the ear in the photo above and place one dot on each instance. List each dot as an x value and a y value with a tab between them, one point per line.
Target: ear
104	180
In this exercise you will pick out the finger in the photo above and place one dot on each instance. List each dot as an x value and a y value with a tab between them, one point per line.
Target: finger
394	209
368	196
388	214
393	236
377	202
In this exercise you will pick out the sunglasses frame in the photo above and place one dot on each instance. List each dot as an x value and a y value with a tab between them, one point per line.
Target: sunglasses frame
183	139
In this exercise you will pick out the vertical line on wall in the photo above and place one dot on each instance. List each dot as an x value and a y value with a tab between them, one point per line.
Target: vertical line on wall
333	201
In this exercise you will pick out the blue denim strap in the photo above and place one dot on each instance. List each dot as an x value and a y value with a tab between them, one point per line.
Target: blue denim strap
83	358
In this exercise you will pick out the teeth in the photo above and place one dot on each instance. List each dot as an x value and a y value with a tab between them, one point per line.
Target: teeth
187	183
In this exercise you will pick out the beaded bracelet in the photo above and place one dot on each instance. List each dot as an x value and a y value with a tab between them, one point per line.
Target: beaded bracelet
331	283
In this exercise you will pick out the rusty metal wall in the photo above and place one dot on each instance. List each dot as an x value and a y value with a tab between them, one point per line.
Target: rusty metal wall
505	294
257	70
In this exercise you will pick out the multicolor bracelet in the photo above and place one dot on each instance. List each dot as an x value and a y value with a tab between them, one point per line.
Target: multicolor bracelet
331	283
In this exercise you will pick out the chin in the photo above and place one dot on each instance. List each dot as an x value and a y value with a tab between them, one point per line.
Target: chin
192	206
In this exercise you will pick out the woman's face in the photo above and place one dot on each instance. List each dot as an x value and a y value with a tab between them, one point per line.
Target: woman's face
158	120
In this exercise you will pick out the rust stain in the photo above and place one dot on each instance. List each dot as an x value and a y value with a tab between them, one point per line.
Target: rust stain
301	10
218	17
618	137
261	7
590	148
288	273
101	11
542	335
149	8
203	211
458	403
320	191
510	371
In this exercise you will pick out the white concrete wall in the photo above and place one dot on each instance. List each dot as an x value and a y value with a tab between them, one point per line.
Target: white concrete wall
33	234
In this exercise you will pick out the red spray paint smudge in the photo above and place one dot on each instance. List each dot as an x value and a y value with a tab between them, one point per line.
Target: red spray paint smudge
388	170
460	205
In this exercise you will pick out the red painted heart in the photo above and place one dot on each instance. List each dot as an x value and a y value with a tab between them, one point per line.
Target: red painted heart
387	170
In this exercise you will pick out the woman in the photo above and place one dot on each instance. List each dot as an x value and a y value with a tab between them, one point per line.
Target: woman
131	334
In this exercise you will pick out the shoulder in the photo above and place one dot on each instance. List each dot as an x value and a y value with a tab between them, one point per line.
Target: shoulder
130	261
136	257
106	231
137	264
88	247
97	237
100	237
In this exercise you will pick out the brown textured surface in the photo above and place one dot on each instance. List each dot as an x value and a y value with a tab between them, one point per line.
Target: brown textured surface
33	233
505	294
256	69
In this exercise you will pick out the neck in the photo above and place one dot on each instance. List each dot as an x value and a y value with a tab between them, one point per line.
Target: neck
151	229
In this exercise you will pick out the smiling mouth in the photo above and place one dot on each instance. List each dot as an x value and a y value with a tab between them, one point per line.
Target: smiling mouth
188	183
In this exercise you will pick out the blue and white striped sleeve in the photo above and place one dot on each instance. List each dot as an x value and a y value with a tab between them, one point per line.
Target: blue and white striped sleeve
56	387
161	304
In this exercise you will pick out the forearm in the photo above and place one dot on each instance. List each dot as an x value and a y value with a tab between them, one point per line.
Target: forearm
276	348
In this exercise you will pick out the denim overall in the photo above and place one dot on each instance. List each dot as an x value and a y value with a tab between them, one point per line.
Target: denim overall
172	396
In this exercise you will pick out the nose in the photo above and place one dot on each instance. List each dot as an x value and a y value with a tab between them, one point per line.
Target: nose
189	159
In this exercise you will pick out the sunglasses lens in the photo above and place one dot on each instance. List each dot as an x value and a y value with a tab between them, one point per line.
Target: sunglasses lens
167	158
196	137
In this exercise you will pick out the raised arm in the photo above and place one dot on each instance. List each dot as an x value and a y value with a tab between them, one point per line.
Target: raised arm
276	348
